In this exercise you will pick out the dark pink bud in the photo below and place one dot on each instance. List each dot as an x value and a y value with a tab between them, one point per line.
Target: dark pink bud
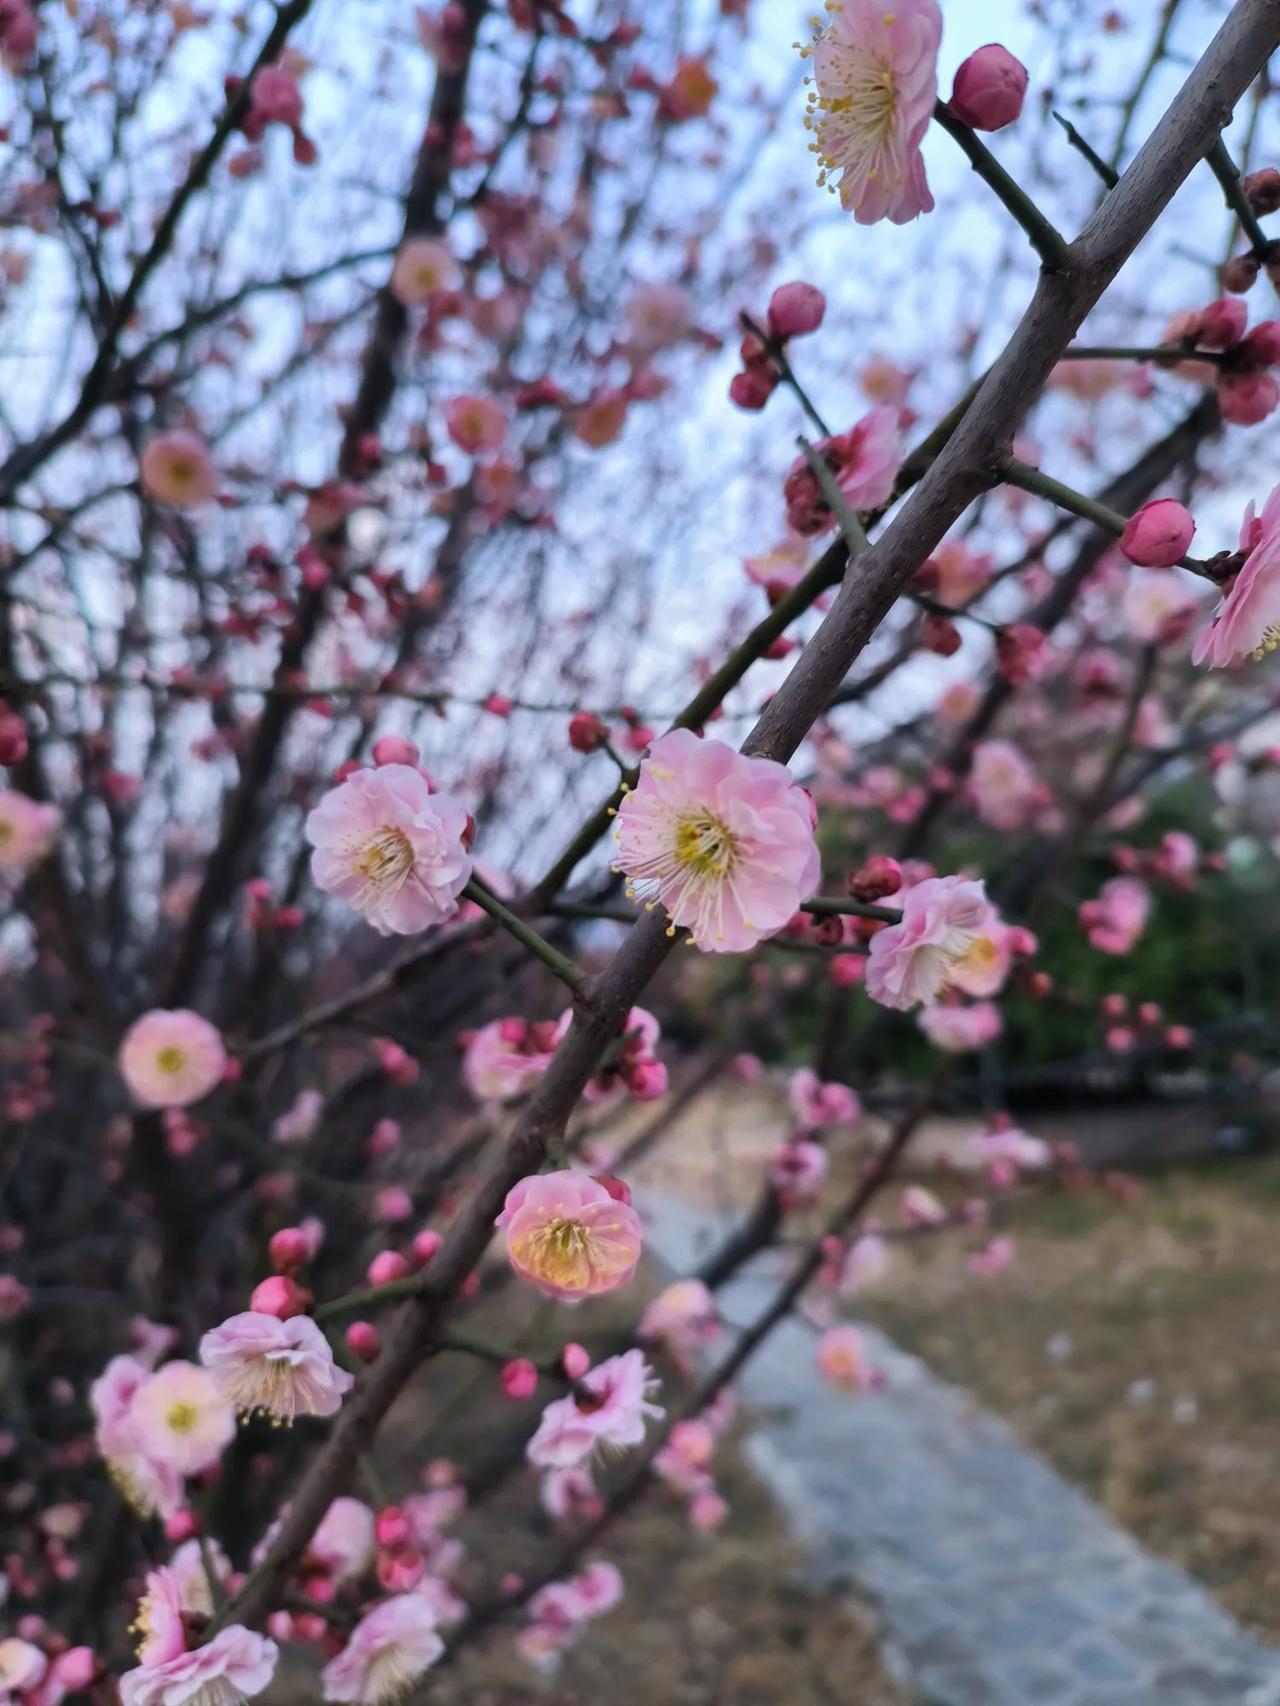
1241	274
289	1249
574	1361
1158	535
394	749
519	1379
391	1526
182	1525
587	732
362	1340
1247	398
280	1296
880	877
13	736
386	1267
1222	323
1263	343
989	89
424	1246
617	1189
1263	191
752	390
647	1080
796	309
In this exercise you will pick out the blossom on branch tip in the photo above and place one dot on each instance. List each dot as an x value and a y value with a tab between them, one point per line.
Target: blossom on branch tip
1158	535
170	1058
989	88
864	463
608	1407
1247	622
724	842
423	265
391	849
181	1417
386	1652
280	1369
875	83
568	1235
27	830
234	1666
943	920
177	468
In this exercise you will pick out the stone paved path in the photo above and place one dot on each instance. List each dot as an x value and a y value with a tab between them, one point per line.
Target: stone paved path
999	1584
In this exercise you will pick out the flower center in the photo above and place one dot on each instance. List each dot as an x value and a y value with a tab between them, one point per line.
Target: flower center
182	1417
982	956
386	858
7	829
705	846
1270	640
561	1251
170	1058
871	101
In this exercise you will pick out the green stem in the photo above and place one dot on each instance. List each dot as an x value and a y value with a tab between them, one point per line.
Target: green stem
1045	239
1224	169
852	531
1041	485
1108	174
1125	352
778	356
1029	479
557	963
366	1297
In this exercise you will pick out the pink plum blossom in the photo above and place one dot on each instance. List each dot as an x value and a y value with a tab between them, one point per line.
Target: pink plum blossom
171	1058
423	265
942	922
798	1171
159	1620
391	849
682	1319
957	1030
177	469
504	1058
1118	916
280	1369
182	1418
1005	1143
993	1261
778	570
234	1666
477	425
1002	784
842	1361
815	1104
875	76
569	1236
561	1609
864	462
22	1667
1158	607
1247	622
387	1651
151	1486
608	1407
27	830
723	841
343	1544
658	315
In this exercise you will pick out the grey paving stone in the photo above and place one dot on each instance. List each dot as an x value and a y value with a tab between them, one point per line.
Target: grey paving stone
999	1584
